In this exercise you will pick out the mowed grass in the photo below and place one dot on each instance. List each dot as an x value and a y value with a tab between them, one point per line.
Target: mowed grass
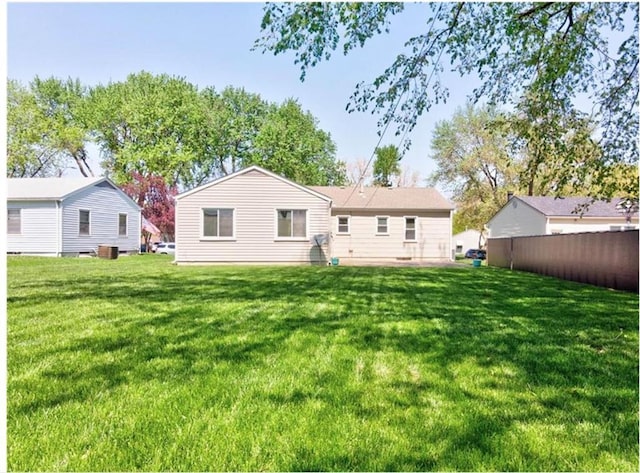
137	364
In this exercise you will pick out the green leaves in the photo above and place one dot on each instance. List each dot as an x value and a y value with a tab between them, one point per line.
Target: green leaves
313	30
386	165
45	130
473	164
289	143
163	126
572	52
148	124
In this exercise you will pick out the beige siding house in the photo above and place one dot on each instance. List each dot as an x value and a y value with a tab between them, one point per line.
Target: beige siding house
252	216
528	216
256	216
382	224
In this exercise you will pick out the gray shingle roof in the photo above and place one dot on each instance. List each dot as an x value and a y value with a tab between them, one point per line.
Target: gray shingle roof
47	188
384	198
569	206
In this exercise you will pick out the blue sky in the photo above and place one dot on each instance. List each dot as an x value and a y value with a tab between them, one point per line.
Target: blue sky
209	44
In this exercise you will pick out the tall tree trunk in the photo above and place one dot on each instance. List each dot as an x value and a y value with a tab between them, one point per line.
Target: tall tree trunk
80	158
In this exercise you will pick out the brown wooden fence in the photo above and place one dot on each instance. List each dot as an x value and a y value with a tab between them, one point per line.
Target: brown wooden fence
608	259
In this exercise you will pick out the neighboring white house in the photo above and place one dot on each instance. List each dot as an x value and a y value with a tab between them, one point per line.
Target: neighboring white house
256	216
69	216
526	216
468	240
389	224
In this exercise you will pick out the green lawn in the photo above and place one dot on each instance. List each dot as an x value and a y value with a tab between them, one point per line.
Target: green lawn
136	364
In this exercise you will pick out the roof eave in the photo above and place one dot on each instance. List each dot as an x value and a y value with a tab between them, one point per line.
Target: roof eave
396	209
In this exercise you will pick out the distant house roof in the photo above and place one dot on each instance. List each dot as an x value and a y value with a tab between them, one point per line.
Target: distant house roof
47	188
149	227
53	188
385	198
571	206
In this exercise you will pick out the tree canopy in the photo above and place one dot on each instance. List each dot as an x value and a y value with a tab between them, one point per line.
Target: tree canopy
289	143
473	164
160	125
386	165
571	53
157	201
46	132
147	124
482	153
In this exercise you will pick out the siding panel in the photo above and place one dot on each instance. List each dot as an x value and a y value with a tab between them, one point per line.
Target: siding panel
433	236
517	219
105	204
254	196
38	228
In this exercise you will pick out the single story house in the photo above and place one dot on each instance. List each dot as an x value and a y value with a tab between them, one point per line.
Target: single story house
468	240
69	216
536	215
256	216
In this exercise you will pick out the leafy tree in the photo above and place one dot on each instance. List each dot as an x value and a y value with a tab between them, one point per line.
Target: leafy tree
386	165
45	131
232	120
150	125
473	164
552	49
27	153
558	152
162	126
156	198
290	143
64	104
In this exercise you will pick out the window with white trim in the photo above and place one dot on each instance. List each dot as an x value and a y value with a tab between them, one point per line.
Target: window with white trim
84	222
14	221
343	224
122	224
410	228
292	223
382	225
217	223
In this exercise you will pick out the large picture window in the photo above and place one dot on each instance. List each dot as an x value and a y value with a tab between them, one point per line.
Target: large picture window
292	223
217	223
84	222
122	224
14	221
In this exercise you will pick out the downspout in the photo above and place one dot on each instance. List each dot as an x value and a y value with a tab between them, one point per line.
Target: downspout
330	233
451	247
139	229
59	232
